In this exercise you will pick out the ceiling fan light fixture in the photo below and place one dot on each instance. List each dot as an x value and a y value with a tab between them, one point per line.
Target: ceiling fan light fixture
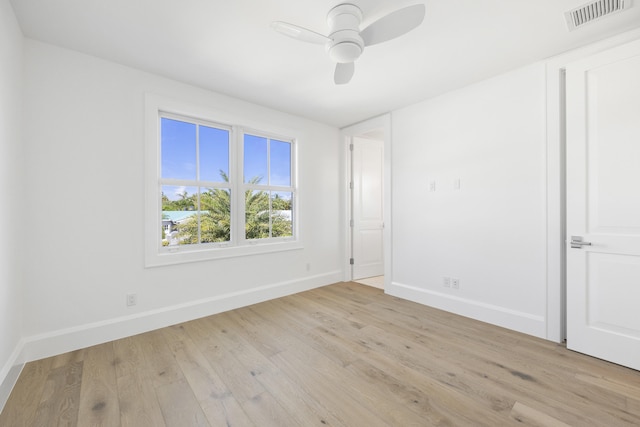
346	42
345	52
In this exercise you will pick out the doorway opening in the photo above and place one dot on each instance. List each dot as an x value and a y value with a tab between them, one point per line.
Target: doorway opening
367	242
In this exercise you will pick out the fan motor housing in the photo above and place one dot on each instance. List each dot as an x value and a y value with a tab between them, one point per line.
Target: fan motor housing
346	45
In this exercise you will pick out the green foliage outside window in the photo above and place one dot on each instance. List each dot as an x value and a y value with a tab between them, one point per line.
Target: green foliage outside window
215	215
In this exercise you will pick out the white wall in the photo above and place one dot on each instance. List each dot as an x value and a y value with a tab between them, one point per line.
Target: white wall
491	233
84	143
11	205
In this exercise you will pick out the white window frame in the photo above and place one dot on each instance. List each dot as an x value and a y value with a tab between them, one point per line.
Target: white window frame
197	182
266	187
155	254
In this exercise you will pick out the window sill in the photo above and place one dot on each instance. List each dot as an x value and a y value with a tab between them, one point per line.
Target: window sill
184	254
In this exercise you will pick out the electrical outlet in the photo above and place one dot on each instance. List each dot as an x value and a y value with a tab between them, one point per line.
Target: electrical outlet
132	299
446	282
455	283
308	266
432	186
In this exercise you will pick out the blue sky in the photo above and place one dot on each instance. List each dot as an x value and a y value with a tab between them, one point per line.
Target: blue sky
179	151
179	155
255	160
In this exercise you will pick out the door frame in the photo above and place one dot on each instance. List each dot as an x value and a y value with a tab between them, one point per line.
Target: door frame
556	183
381	122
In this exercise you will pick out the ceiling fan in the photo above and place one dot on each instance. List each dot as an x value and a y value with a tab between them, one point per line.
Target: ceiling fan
345	42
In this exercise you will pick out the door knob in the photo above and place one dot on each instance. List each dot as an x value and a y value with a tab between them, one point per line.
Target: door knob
577	242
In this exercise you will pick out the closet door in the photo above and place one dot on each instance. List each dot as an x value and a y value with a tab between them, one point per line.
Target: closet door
603	205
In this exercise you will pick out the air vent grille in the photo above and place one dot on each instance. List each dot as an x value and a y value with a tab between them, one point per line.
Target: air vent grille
594	11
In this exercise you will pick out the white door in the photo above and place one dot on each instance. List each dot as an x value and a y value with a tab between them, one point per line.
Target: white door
367	167
603	205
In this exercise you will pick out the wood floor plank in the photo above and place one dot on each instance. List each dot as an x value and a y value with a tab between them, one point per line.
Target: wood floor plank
347	382
139	405
176	399
343	406
269	340
294	409
265	411
227	412
137	398
309	334
203	379
430	399
340	355
302	408
266	339
244	351
481	370
489	365
216	400
59	404
239	379
99	404
22	404
179	405
632	391
158	359
528	416
65	359
310	324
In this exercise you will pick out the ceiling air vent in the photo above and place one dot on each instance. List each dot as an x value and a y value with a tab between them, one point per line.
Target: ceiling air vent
593	11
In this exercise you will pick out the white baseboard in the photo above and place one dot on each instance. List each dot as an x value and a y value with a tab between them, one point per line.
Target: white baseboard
61	341
10	373
511	319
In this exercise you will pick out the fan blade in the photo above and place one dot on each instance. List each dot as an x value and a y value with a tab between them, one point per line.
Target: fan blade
393	25
343	73
299	33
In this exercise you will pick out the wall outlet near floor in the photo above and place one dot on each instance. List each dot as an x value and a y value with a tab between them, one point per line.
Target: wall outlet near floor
455	283
132	299
446	282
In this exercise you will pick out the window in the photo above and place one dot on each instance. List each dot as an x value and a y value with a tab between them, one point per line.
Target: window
215	189
268	190
194	182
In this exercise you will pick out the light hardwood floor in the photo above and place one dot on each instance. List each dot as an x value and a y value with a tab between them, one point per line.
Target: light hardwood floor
342	355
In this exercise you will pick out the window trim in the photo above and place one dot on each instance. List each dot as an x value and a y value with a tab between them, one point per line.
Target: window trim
197	182
155	255
266	187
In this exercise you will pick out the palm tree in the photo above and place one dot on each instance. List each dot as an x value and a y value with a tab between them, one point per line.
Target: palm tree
215	216
256	217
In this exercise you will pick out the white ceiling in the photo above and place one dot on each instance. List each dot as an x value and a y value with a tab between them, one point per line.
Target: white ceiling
228	46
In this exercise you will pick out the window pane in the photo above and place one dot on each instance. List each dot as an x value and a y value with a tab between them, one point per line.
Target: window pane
256	214
178	149
281	214
280	163
255	159
179	215
215	216
214	154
